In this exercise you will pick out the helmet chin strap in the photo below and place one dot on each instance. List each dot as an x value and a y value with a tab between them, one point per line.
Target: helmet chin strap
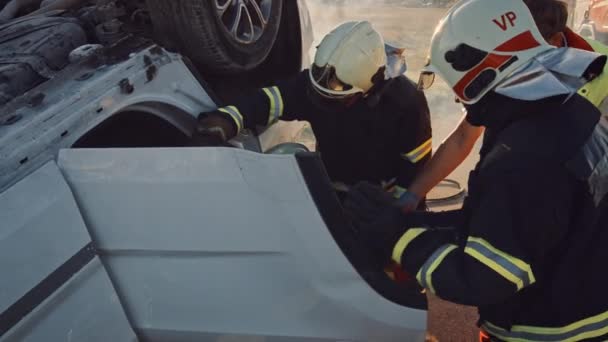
335	104
352	100
375	94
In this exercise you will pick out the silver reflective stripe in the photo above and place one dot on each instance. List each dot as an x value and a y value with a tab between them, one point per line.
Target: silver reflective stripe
520	275
235	114
425	274
596	151
589	328
276	104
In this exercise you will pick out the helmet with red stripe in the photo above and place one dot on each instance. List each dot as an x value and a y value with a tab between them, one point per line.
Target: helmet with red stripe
481	42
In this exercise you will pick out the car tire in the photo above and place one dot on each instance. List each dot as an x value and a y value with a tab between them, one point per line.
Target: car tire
198	30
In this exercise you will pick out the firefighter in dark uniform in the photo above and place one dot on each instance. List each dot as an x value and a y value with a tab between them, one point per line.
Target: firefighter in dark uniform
367	127
529	246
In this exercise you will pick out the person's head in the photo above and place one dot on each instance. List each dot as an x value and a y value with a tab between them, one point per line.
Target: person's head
551	17
349	61
481	42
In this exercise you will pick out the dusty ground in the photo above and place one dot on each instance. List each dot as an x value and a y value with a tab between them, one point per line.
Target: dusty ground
412	28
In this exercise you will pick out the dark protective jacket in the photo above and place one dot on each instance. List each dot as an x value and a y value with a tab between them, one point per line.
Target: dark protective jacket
377	142
532	240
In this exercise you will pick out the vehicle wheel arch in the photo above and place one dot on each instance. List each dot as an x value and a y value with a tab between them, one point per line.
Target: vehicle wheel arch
162	125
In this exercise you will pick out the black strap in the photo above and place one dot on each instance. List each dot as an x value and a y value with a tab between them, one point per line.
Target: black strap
41	292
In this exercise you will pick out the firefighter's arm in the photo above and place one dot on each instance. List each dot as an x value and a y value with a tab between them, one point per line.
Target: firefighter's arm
262	107
508	235
450	154
415	144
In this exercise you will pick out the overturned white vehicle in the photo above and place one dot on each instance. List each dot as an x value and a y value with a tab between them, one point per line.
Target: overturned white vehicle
113	229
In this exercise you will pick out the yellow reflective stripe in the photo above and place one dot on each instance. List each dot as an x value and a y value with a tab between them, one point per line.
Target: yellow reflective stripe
511	268
597	90
420	152
281	103
419	148
425	274
397	191
500	333
591	327
495	331
561	330
404	241
494	266
273	106
235	114
423	154
276	104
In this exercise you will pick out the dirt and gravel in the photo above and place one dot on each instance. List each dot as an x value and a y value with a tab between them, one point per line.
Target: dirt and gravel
412	28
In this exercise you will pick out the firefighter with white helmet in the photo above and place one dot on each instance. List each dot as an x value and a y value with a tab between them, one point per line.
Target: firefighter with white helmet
551	17
528	246
348	61
370	121
473	60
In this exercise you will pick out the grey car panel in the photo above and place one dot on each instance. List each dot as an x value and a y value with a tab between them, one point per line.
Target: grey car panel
224	241
61	291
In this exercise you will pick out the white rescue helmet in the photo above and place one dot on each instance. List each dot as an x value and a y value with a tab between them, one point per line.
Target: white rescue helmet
481	42
348	61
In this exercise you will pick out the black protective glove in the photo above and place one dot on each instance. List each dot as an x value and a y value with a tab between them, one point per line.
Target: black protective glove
378	219
213	129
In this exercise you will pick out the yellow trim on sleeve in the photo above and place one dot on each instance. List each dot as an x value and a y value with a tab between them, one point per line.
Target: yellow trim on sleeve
420	152
404	241
235	114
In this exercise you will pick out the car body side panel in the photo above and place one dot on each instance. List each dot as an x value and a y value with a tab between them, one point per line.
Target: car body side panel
57	113
207	242
53	287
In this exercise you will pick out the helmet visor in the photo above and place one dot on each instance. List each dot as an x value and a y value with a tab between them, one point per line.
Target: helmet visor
426	80
327	84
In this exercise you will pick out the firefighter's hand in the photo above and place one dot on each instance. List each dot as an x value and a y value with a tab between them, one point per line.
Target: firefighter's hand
208	139
377	218
408	202
365	202
213	129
